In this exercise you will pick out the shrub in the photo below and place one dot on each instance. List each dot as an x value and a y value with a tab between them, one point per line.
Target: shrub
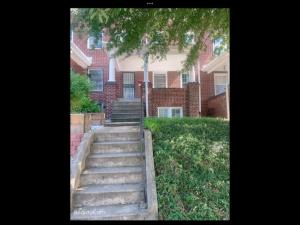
80	100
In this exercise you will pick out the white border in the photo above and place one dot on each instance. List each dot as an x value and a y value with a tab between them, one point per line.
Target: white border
160	73
170	111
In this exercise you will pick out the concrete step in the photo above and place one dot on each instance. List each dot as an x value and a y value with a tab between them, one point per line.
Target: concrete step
115	159
126	116
118	124
115	147
109	194
125	120
117	136
112	175
108	212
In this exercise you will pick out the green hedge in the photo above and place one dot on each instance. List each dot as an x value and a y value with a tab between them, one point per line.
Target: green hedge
191	158
80	99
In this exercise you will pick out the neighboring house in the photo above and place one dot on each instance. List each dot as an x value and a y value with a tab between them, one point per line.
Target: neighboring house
199	92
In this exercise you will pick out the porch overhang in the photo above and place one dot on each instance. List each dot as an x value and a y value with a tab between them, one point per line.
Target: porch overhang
218	63
173	62
79	57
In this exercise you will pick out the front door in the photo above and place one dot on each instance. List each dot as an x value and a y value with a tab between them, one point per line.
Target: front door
128	85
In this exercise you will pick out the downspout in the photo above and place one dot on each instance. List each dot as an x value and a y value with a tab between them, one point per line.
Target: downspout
146	56
198	69
227	90
146	81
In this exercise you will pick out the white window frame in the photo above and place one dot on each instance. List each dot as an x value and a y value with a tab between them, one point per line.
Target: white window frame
220	75
181	76
170	111
72	36
88	42
102	78
160	73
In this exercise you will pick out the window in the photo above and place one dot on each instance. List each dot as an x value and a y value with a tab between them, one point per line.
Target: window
220	83
190	38
96	78
71	34
159	81
184	79
169	112
93	43
218	46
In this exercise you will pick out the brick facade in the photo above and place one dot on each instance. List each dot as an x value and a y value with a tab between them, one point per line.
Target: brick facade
174	79
111	96
187	98
173	96
217	106
76	68
207	90
100	60
193	99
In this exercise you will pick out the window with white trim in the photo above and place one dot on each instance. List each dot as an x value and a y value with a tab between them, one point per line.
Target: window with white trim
169	112
190	38
96	78
159	81
184	79
92	43
220	81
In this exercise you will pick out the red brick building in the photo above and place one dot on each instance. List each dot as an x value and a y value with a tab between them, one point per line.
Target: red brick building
199	92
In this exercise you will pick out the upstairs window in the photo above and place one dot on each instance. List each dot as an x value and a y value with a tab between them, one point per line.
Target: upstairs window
189	38
184	79
92	43
96	78
159	81
218	46
220	83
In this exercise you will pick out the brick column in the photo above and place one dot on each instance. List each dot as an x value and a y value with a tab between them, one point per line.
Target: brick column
193	99
110	91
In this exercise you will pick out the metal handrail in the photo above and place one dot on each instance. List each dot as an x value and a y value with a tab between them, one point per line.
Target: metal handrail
142	111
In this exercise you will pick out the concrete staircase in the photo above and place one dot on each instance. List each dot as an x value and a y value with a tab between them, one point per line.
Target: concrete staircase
112	185
126	111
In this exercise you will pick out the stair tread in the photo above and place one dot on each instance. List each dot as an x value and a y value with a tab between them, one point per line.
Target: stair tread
117	130
123	169
117	154
108	188
115	142
105	211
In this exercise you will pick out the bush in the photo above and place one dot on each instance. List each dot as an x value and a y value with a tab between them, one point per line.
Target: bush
191	157
80	100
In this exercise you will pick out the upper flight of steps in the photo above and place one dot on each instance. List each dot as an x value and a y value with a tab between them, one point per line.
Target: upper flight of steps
112	185
126	111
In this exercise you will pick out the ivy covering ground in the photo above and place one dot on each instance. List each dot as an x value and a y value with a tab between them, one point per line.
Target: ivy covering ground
191	158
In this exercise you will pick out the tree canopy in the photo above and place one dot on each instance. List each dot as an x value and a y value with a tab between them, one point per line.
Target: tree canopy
128	28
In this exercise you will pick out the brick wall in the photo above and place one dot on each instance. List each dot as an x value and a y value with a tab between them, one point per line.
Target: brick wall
100	59
217	106
119	85
207	90
192	99
111	96
77	68
206	54
173	79
166	97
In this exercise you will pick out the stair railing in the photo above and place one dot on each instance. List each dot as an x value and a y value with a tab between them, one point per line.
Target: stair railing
141	84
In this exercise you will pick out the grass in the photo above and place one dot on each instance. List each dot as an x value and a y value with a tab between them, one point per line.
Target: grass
191	157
